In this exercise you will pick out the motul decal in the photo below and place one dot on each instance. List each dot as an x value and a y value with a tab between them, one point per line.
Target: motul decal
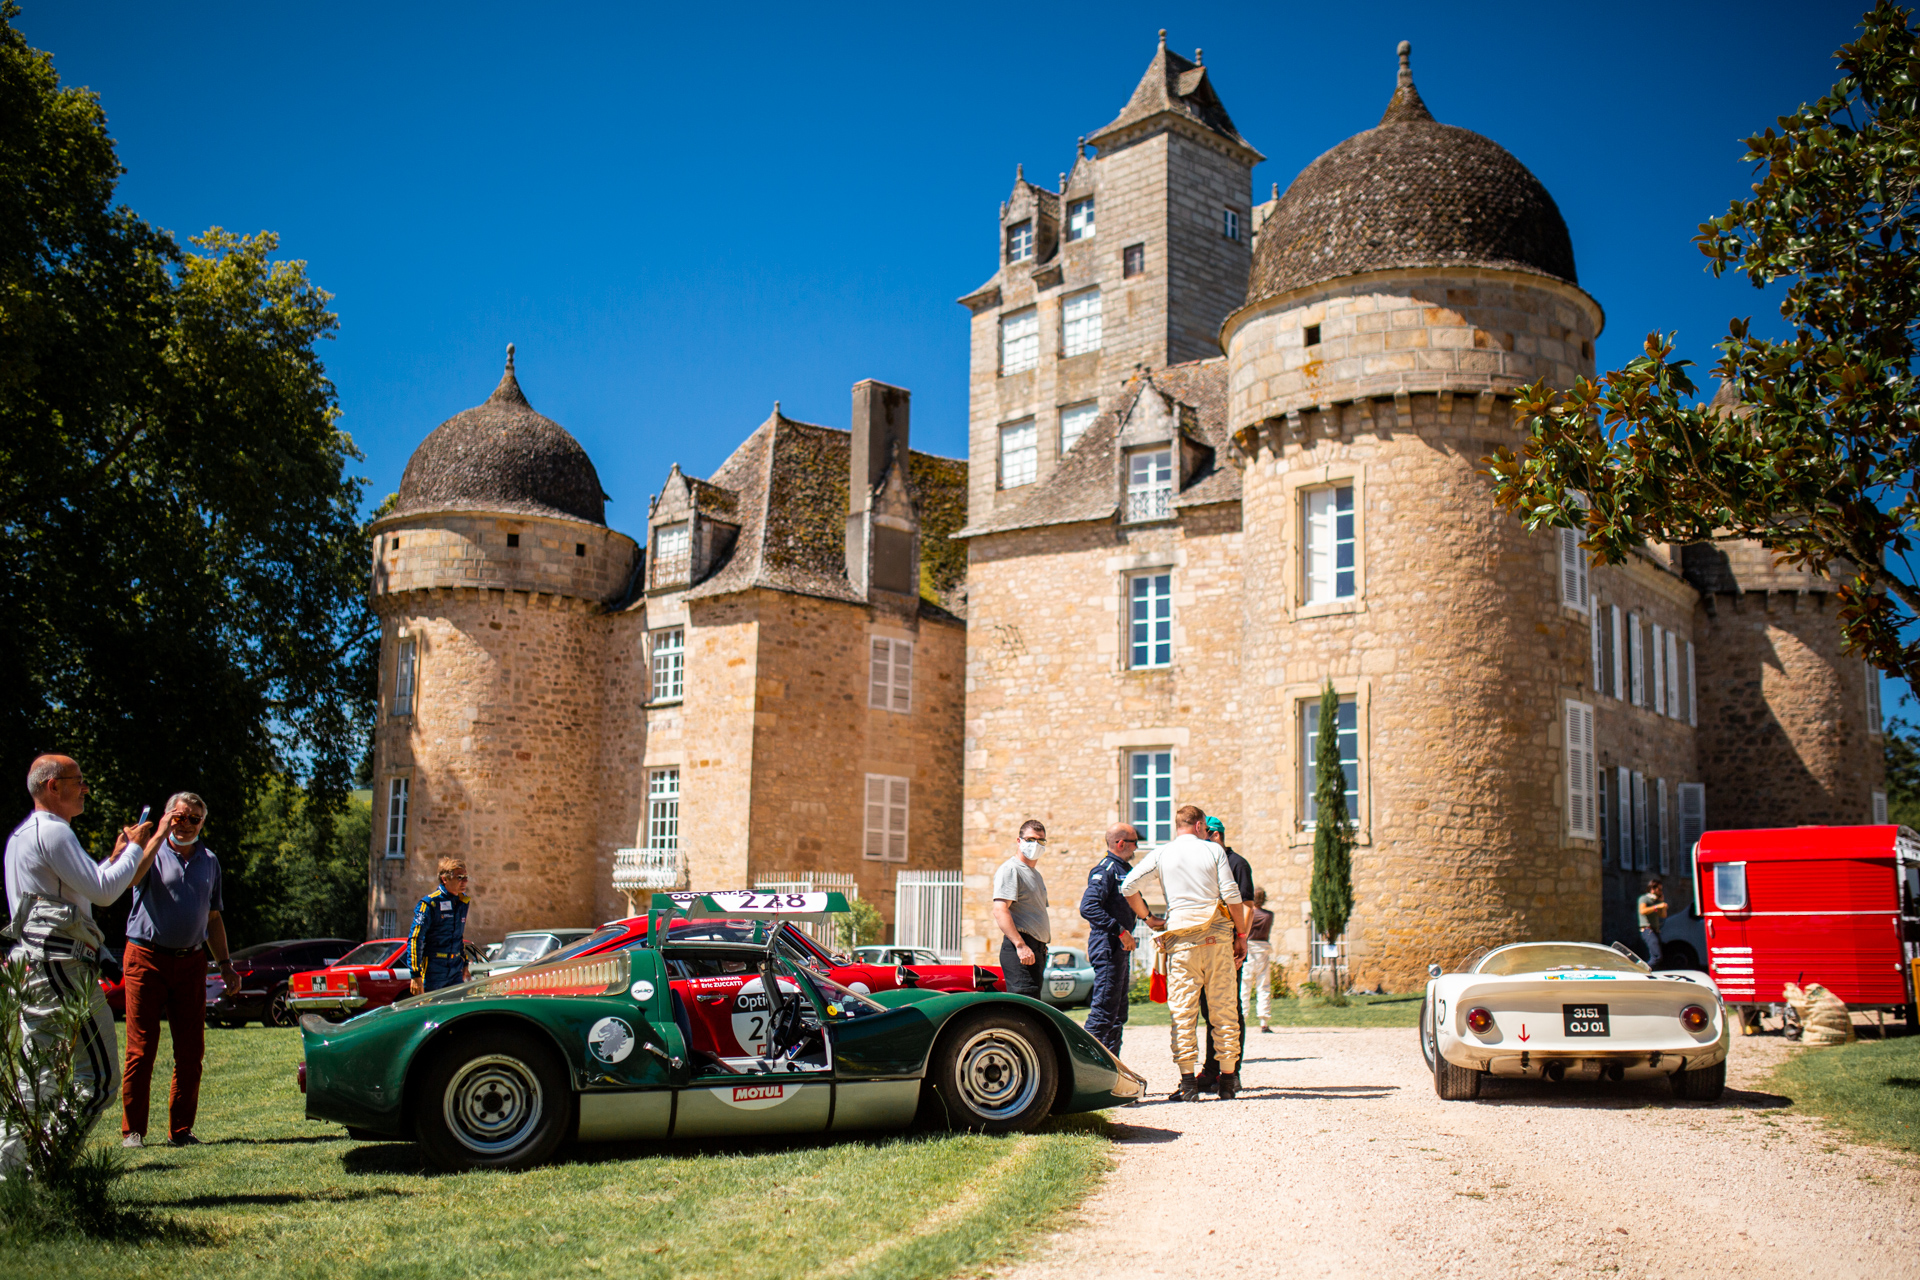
755	1097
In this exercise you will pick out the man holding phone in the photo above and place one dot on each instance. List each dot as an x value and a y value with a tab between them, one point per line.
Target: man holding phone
174	923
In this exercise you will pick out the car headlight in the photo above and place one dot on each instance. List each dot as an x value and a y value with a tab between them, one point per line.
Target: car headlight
1694	1018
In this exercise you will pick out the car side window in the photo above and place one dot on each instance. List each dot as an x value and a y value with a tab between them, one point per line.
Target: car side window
1730	886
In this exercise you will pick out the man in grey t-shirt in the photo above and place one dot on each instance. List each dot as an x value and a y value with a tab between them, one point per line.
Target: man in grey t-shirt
1020	909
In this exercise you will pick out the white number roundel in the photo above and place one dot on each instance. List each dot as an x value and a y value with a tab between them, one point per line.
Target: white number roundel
751	1014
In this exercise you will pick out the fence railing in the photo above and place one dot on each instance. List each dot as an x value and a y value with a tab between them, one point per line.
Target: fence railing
926	912
826	933
1149	504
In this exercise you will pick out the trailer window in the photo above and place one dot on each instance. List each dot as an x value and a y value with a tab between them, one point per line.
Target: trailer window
1730	886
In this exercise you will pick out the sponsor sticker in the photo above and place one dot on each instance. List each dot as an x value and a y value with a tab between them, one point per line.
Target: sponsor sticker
754	1097
610	1040
641	990
380	975
1582	977
751	1014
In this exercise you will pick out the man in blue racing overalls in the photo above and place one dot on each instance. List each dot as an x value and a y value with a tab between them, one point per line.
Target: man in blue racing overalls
1110	939
436	952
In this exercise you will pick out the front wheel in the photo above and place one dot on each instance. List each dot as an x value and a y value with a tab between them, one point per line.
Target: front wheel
1704	1085
995	1071
279	1012
495	1099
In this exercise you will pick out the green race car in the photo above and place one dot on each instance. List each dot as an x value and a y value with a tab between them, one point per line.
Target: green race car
713	1032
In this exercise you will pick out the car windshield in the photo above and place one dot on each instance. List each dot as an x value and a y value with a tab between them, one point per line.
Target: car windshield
368	953
843	1003
598	938
1542	957
525	946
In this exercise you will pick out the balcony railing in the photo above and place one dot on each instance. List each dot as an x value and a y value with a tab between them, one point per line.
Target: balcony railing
1149	504
642	869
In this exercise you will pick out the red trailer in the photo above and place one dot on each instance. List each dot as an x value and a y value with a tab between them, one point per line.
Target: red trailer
1835	905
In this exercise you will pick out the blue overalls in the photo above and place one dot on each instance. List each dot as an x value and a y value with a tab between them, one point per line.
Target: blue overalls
1107	914
439	928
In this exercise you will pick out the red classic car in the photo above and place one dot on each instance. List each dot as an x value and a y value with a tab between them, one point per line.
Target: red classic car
619	935
372	974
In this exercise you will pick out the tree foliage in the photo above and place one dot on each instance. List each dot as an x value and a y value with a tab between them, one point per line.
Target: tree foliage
185	584
1330	896
1817	459
305	867
1902	755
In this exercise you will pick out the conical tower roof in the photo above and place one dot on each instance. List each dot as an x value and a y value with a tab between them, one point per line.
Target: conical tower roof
1173	86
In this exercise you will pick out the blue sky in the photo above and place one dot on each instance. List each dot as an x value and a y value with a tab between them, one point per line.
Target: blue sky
682	213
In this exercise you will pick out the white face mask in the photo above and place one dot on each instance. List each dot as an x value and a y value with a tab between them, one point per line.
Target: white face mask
1032	849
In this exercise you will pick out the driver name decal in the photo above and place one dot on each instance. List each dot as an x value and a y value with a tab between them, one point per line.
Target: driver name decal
610	1040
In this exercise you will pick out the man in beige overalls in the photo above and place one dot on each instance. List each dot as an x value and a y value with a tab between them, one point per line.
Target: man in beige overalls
1205	939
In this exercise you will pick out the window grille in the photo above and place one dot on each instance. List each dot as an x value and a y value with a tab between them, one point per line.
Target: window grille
1150	797
403	663
1020	242
672	552
1074	421
1080	219
1150	620
1019	341
1019	454
926	906
669	664
890	681
1347	732
663	809
397	817
1080	330
1329	544
1149	485
886	819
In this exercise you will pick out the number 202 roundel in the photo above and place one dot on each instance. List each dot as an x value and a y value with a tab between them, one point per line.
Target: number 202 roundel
1586	1019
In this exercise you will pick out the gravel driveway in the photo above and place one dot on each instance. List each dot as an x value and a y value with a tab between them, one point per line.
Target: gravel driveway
1338	1160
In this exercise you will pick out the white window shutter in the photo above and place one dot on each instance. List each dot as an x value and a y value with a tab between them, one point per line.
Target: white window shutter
1674	688
1693	816
1619	689
1580	805
880	679
1636	662
1693	697
1573	569
1623	817
1879	808
1640	847
1874	725
1659	671
903	675
1593	626
896	820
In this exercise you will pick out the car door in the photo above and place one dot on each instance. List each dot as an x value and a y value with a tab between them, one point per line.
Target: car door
752	1094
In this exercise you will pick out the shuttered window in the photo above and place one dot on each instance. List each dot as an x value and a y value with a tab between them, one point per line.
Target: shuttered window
1594	627
1693	817
1662	832
1693	698
1640	843
1623	818
1873	700
886	819
1573	569
890	681
1581	819
1879	808
1603	806
1616	655
1676	686
1636	662
1659	702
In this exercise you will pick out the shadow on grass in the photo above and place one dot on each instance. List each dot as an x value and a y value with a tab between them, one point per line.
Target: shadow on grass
282	1198
304	1140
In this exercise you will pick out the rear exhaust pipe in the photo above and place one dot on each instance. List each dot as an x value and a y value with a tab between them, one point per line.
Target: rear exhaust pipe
1615	1072
1556	1071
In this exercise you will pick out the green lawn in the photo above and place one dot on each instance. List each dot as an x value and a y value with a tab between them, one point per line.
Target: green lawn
1870	1087
278	1195
1362	1011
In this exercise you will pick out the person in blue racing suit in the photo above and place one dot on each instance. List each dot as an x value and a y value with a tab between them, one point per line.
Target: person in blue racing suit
1110	941
436	950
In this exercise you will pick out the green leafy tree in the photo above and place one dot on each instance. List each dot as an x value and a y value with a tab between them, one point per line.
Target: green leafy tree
1816	458
185	581
863	926
1902	753
1331	893
306	866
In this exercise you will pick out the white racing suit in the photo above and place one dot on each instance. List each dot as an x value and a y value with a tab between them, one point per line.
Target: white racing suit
61	950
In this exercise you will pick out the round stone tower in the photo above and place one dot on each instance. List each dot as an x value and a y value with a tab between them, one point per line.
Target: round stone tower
1404	285
489	577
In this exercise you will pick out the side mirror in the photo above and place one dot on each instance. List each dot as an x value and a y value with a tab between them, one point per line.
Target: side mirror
1433	970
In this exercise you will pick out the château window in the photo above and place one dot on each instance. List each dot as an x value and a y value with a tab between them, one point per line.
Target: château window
1230	224
1074	421
388	921
672	552
403	678
1020	242
1080	327
886	839
1080	219
890	677
1150	620
1582	804
1329	544
397	817
1150	796
669	664
1133	260
1347	734
1019	454
1149	485
1019	341
663	809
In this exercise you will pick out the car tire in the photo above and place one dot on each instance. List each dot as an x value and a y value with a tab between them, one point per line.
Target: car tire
1679	955
1454	1084
1704	1085
995	1072
1428	1049
279	1012
495	1099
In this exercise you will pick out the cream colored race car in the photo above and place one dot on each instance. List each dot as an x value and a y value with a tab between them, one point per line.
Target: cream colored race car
1573	1010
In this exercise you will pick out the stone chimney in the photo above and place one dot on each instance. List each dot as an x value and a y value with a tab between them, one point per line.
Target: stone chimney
882	528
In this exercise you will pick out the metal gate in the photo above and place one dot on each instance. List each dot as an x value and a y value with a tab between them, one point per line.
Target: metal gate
926	912
824	932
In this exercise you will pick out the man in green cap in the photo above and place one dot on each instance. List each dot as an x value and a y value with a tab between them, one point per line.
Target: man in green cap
1242	873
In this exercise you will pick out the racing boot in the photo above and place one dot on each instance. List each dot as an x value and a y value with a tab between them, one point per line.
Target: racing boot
1208	1080
1189	1090
1229	1085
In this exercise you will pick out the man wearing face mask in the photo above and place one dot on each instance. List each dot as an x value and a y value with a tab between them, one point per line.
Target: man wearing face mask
1020	909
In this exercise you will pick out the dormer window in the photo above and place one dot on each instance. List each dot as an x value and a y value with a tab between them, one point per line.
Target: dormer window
1080	219
672	552
1149	485
1020	241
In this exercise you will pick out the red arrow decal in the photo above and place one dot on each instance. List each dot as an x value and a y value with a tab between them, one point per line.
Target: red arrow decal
1523	1033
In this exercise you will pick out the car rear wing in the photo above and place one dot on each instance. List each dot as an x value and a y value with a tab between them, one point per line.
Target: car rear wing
744	904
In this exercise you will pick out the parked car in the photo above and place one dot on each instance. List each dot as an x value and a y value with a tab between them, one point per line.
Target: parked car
895	955
265	969
369	976
1069	977
699	1036
517	950
1573	1010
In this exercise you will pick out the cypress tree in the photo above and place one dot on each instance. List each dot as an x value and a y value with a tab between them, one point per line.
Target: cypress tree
1331	895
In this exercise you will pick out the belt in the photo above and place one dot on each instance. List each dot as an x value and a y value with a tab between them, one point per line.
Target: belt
444	955
179	953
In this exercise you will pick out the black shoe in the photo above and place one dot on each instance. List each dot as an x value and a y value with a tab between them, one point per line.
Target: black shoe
1189	1090
186	1140
1208	1081
1229	1084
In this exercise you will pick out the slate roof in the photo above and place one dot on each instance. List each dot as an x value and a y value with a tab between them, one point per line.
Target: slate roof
1172	85
1410	192
1086	484
501	456
787	485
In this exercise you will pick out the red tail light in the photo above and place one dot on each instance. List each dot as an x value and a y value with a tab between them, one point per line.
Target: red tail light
1479	1021
1694	1018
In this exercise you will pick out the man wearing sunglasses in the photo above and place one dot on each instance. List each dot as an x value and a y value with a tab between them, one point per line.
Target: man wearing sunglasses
436	950
175	922
1110	942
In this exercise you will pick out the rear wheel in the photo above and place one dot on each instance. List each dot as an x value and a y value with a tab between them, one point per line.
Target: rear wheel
1704	1085
1428	1048
494	1099
995	1071
279	1012
1454	1084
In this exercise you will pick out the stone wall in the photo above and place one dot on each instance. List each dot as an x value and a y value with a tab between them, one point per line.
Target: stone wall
459	549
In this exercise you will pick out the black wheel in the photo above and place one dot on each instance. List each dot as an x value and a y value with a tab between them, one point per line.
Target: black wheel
1704	1085
1454	1084
1428	1050
279	1012
1679	955
494	1099
995	1071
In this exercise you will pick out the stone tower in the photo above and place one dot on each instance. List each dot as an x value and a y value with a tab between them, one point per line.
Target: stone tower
1135	260
1403	286
490	577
